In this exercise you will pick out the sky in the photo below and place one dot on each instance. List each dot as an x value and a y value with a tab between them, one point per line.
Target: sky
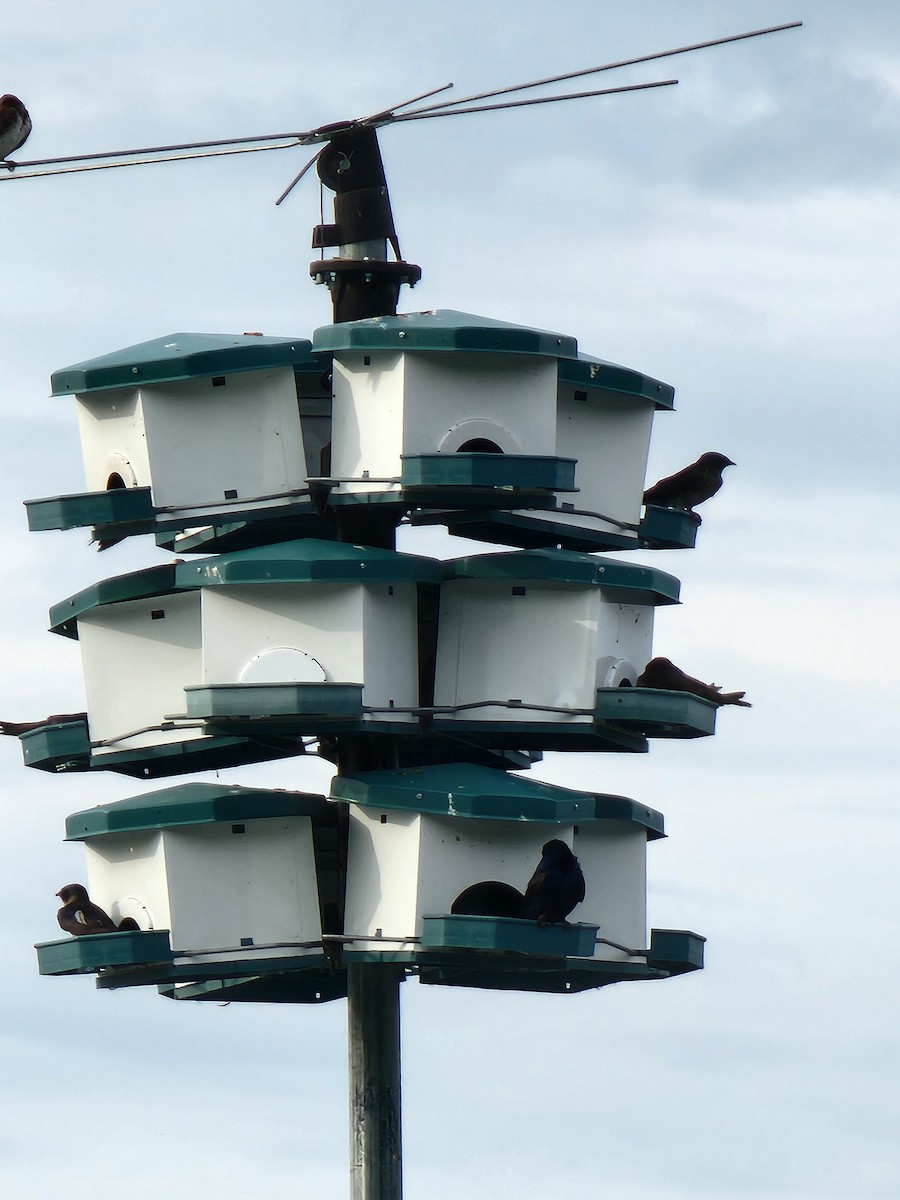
735	236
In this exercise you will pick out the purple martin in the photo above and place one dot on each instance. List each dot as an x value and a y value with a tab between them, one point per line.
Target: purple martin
78	916
663	674
691	485
15	126
556	886
17	728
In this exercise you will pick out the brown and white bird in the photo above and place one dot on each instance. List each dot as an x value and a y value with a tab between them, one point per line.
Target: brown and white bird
691	485
663	674
15	126
79	916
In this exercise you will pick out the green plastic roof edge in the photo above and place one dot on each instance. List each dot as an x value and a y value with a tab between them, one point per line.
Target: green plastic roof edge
443	329
154	581
181	356
467	790
192	804
570	566
599	375
309	560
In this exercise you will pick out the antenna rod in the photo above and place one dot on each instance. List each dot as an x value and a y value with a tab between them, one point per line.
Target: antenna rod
424	115
290	187
74	169
387	113
613	66
292	139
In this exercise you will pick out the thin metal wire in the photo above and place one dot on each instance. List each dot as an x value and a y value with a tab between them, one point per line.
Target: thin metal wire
618	946
178	152
389	112
293	138
421	115
613	66
135	162
290	187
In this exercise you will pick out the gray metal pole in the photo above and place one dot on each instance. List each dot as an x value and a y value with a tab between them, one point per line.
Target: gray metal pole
373	1010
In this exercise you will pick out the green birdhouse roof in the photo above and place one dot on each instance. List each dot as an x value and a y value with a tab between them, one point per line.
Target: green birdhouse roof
182	356
626	583
443	329
468	790
309	560
194	804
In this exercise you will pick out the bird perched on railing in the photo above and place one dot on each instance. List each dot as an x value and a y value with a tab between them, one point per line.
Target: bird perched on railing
17	728
556	886
15	126
79	916
663	674
692	485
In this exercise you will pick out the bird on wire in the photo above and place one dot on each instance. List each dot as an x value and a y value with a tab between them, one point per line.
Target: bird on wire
15	126
79	916
663	674
691	485
17	728
556	886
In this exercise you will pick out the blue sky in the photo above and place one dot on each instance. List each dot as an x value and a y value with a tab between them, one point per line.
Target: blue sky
736	236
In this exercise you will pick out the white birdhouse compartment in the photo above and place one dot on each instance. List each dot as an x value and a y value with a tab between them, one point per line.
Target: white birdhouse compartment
441	383
177	416
410	404
526	639
603	417
423	839
310	629
613	858
357	633
137	657
239	877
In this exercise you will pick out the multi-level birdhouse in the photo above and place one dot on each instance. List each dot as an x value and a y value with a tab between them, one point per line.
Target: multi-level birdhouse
299	637
438	855
207	882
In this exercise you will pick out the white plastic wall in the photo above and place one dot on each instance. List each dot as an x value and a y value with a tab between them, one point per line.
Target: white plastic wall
540	647
610	438
137	657
613	858
426	403
403	866
212	886
412	864
193	442
356	634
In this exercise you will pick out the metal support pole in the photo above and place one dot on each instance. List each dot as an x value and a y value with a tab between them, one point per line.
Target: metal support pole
373	1010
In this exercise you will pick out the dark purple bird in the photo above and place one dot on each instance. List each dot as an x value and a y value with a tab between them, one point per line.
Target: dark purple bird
78	916
691	485
556	886
663	674
15	126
